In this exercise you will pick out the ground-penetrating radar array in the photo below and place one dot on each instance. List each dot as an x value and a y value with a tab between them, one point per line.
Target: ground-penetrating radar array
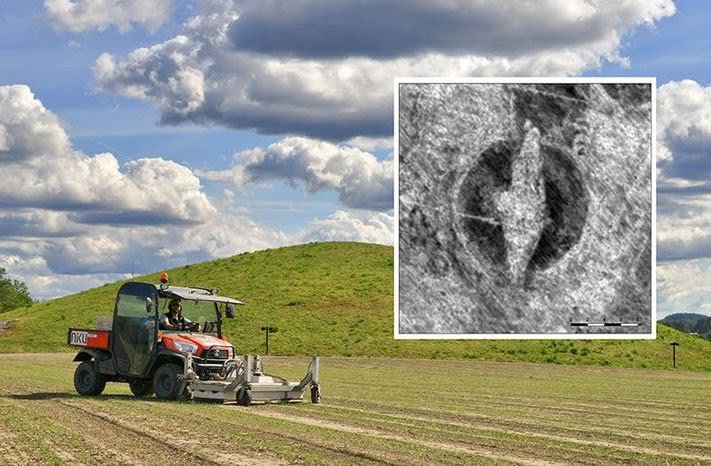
524	208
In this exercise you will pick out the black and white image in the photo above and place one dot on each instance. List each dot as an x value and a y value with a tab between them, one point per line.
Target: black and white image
525	207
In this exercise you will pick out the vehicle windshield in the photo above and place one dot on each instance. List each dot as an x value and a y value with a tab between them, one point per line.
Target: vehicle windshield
200	312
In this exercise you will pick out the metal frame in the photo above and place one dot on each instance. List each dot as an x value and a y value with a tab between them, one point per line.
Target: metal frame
246	383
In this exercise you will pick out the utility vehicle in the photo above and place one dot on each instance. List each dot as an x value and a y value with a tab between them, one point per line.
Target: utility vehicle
195	360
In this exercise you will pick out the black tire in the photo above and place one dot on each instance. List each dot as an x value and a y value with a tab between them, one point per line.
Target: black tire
244	397
141	388
87	381
167	383
315	394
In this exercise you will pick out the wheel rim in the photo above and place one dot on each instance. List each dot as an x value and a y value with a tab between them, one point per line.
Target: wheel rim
165	383
85	379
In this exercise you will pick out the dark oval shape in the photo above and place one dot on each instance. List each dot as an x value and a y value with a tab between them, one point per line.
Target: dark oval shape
566	206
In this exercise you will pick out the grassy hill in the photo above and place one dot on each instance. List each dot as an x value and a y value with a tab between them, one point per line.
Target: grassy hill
333	299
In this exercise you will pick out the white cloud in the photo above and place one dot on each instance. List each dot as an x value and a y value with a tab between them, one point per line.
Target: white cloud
76	249
86	15
410	27
684	191
359	178
684	118
28	131
685	232
361	226
684	286
227	234
370	144
64	213
69	221
36	223
44	283
229	67
54	267
41	169
4	144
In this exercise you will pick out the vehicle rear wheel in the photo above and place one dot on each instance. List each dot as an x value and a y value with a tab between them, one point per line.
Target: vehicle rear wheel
167	383
87	381
141	388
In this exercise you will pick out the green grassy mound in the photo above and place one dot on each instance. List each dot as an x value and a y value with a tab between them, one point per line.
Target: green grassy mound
332	299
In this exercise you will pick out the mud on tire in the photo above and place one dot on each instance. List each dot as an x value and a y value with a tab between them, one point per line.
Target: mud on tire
87	381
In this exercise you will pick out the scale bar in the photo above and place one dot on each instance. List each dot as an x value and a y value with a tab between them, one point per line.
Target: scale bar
604	324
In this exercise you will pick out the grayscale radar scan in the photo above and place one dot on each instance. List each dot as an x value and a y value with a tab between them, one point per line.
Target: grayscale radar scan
524	208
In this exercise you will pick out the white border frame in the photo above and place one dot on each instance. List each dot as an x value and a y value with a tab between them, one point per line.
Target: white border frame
396	192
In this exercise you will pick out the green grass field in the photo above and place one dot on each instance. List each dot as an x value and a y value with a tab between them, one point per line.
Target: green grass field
333	299
374	411
385	401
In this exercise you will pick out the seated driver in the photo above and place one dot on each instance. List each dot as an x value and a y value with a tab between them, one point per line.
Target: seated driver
173	319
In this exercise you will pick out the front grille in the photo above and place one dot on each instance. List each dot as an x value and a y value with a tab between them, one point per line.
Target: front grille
211	361
215	352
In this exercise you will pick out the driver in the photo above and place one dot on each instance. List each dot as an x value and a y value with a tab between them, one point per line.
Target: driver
173	319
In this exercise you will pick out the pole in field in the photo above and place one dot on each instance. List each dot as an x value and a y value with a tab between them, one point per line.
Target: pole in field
674	345
267	329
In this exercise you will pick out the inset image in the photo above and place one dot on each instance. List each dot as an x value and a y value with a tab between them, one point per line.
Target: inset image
525	208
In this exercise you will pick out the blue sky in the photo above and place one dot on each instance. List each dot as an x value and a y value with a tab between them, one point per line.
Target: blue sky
675	49
137	135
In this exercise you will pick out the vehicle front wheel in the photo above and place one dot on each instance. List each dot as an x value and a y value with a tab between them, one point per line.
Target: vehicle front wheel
141	388
167	383
87	381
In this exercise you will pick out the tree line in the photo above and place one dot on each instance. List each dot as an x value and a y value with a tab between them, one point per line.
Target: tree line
13	293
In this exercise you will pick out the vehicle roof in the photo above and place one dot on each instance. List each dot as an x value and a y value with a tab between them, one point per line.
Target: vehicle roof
194	294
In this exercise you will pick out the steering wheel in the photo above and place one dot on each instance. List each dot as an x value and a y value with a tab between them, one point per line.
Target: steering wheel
191	327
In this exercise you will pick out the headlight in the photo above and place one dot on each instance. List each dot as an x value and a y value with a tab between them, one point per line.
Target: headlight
185	347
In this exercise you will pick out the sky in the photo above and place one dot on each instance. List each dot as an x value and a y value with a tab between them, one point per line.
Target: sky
138	136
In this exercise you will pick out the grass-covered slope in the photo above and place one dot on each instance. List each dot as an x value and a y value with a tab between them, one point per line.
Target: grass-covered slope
323	297
333	299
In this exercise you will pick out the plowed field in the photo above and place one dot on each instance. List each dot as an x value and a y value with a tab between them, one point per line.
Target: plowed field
374	411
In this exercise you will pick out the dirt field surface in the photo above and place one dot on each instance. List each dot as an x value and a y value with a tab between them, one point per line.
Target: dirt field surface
374	411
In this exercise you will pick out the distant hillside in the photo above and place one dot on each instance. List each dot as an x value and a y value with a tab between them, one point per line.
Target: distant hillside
683	317
690	323
332	299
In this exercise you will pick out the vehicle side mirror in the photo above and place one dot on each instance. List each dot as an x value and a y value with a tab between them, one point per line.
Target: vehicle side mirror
149	305
230	314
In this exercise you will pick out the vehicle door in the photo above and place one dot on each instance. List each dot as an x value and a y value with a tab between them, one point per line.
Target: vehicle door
134	328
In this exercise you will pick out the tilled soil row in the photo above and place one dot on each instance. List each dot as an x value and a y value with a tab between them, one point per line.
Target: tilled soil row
175	433
575	432
543	418
253	436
